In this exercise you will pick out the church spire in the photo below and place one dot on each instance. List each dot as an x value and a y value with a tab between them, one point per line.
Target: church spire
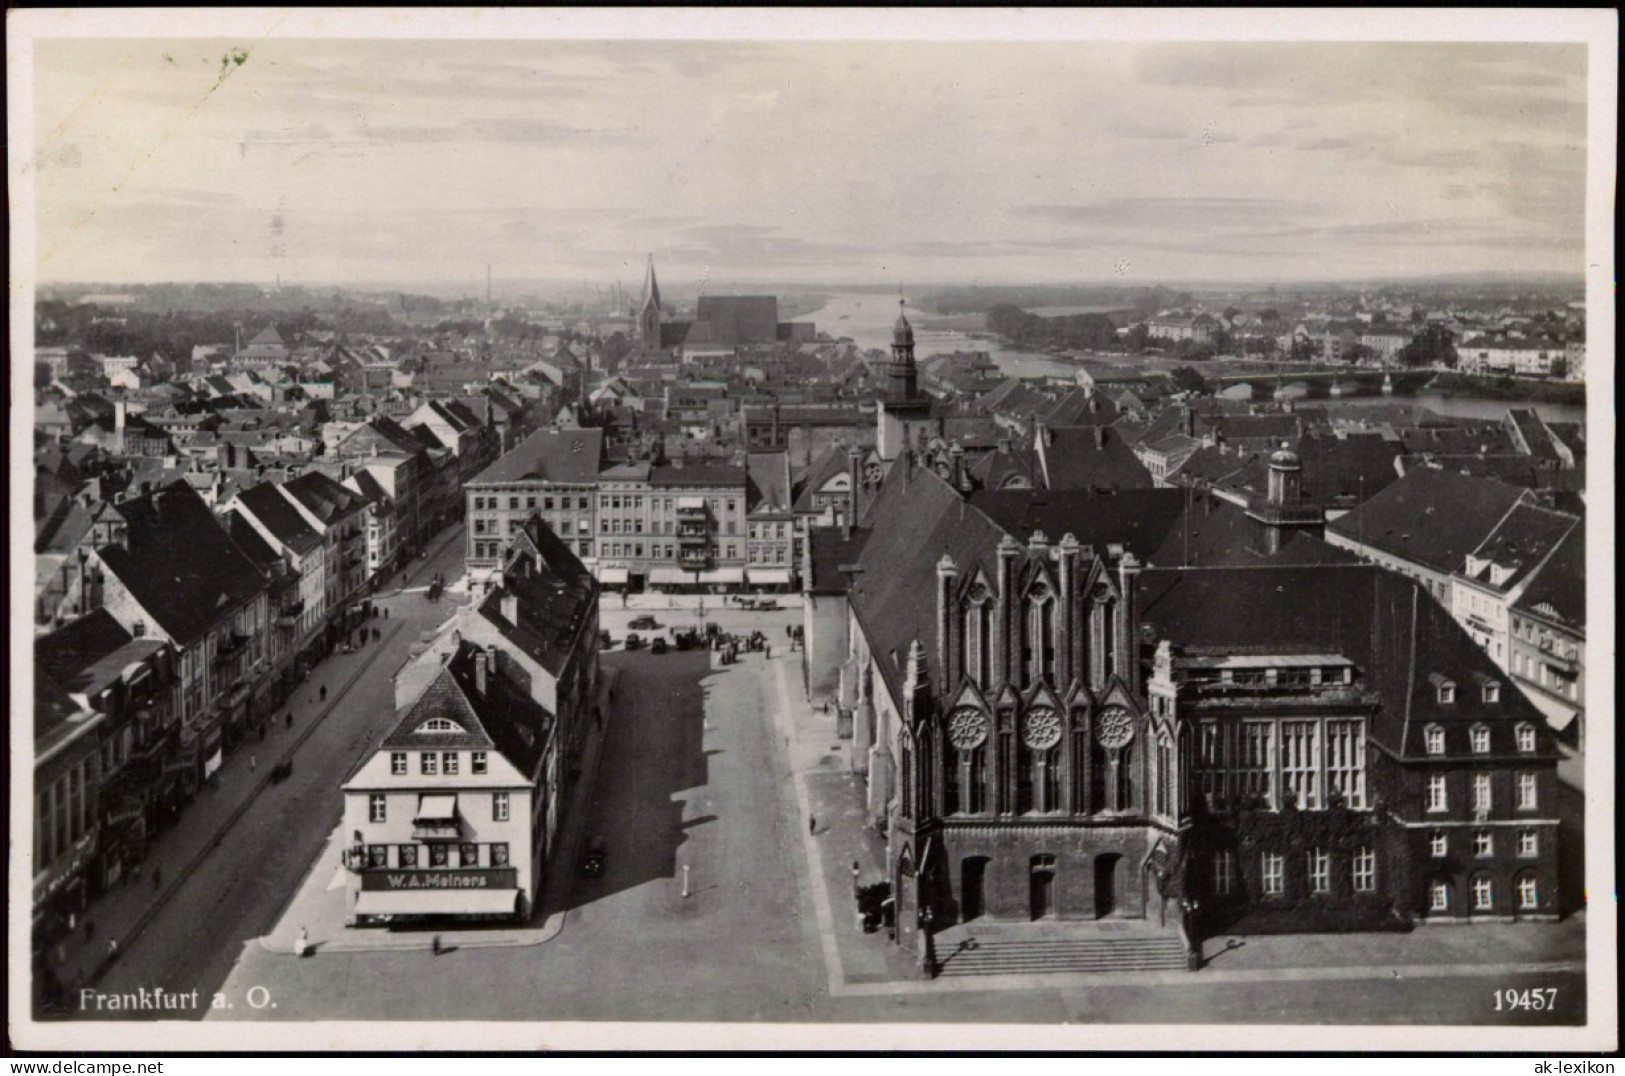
649	312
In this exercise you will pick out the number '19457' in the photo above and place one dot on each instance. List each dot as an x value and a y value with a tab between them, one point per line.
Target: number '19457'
1534	1000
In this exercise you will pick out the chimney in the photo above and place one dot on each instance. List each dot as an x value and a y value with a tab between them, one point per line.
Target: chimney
482	672
956	465
510	607
1041	437
947	651
1100	437
118	416
1190	422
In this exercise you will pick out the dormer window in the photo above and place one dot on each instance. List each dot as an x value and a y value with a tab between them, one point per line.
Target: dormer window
1526	738
1434	736
1447	691
1492	691
1481	739
440	724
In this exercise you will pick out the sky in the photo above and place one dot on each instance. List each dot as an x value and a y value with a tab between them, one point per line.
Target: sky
868	162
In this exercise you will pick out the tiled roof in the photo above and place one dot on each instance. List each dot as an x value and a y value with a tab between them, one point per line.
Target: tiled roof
1558	590
1091	457
1521	541
79	644
1083	407
830	548
553	456
770	474
267	504
1434	518
502	718
323	497
1395	634
553	597
714	475
834	461
179	563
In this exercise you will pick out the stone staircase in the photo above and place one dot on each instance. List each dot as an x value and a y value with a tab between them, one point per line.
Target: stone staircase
1062	955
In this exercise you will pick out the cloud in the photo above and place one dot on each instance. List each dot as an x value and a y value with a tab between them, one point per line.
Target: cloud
1149	132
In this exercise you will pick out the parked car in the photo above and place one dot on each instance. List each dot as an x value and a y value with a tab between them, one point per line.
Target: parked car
643	623
592	863
657	645
633	641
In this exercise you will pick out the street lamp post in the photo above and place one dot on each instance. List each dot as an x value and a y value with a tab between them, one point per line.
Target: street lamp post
928	963
855	872
1193	944
686	892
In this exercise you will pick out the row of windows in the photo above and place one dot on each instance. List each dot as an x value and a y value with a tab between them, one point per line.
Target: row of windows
1484	843
431	763
580	503
1479	738
1446	691
1309	762
378	807
493	550
776	555
1318	870
1526	885
62	815
438	855
1438	792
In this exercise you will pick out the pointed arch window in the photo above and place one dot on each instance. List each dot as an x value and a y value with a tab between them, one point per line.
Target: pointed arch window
1038	638
976	638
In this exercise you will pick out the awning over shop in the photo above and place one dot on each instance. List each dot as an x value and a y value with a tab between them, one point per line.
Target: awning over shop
437	902
770	576
436	808
658	576
612	575
723	575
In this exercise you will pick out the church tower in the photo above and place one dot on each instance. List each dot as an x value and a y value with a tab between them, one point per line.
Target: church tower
649	312
902	410
901	376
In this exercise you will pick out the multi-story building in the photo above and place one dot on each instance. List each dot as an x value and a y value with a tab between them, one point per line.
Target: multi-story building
67	819
551	471
1546	637
338	514
1525	357
774	538
130	682
1425	524
467	793
1496	573
1066	730
172	573
301	617
697	526
441	817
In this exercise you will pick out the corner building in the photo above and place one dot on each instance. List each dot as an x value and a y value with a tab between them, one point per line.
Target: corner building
1066	729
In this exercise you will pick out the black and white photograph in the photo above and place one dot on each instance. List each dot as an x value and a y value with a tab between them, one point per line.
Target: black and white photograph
810	530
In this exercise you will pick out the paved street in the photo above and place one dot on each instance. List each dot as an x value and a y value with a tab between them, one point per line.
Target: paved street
697	773
236	890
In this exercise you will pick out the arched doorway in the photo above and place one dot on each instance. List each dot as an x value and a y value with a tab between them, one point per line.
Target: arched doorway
1042	887
1106	884
972	880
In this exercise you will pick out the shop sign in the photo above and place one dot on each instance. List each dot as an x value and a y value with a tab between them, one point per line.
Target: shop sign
493	878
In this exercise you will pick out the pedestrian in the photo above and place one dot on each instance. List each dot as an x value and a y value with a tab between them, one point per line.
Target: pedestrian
386	612
812	825
324	692
768	650
112	948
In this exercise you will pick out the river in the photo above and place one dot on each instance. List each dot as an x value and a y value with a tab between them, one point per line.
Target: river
868	318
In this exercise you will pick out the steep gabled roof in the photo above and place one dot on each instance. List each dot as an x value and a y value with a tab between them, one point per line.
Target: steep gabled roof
1521	541
1558	591
1091	457
179	563
1433	518
279	517
551	455
1394	632
502	718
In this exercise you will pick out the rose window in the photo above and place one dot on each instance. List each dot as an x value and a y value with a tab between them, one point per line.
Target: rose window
1115	727
1041	730
967	729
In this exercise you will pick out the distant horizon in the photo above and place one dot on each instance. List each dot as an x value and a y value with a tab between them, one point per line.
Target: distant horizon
764	286
903	164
